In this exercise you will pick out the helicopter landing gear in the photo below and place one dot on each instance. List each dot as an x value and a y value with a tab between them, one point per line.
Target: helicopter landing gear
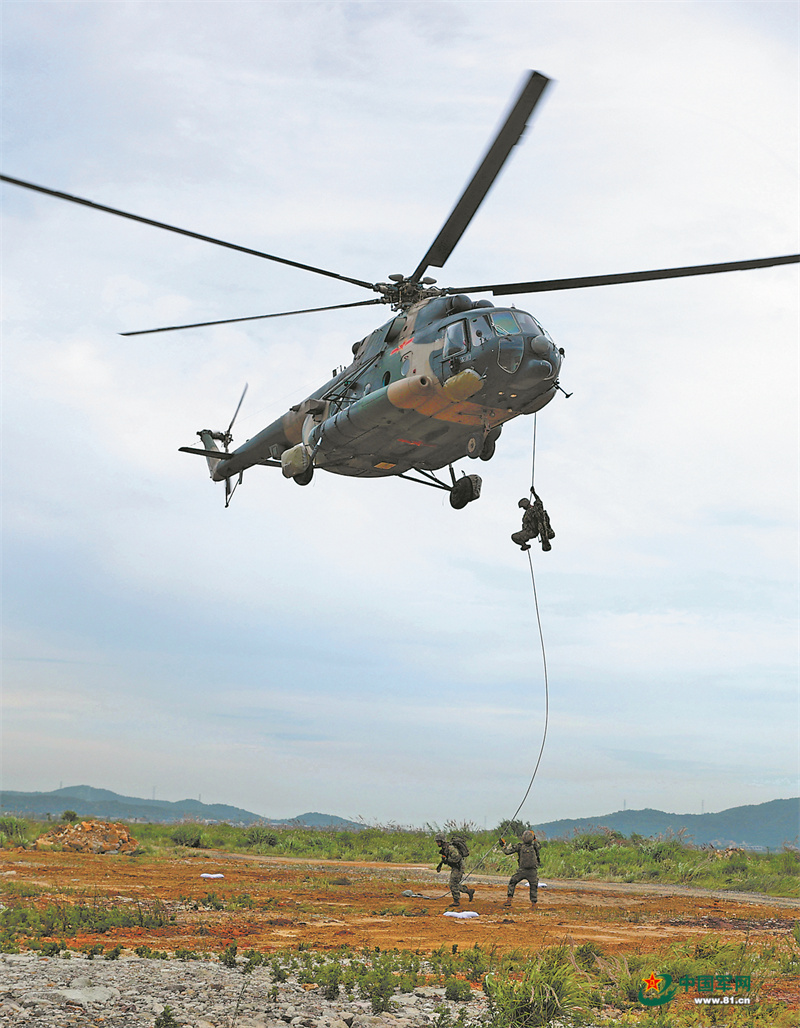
482	446
465	490
304	478
488	449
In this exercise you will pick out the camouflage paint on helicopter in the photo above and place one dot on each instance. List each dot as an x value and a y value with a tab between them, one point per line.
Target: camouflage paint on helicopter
431	386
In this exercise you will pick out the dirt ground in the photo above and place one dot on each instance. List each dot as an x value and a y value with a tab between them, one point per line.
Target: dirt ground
271	903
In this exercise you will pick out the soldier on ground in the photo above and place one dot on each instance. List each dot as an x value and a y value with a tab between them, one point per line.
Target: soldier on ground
528	857
453	853
535	525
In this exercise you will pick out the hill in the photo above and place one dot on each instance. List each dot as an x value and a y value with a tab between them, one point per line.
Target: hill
757	827
88	802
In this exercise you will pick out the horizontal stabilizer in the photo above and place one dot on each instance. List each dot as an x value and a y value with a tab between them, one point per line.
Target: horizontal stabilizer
221	455
213	454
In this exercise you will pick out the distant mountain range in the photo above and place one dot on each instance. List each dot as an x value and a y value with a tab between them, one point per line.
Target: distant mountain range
105	805
758	827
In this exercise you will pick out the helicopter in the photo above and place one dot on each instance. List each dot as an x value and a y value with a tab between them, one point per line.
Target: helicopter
435	383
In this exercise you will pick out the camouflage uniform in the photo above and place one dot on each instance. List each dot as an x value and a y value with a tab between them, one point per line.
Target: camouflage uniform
528	856
451	855
535	524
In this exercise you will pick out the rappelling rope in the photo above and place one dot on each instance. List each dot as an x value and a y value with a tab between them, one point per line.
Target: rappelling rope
541	641
482	860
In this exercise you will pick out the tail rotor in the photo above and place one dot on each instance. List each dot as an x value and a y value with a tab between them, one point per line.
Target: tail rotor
210	440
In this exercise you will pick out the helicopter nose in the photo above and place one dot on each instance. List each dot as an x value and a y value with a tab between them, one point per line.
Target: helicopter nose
539	345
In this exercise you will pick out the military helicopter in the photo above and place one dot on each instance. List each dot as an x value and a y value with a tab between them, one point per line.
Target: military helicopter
434	384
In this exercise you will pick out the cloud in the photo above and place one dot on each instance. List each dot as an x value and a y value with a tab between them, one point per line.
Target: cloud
328	645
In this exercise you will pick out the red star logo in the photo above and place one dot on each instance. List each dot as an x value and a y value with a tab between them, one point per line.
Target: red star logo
653	983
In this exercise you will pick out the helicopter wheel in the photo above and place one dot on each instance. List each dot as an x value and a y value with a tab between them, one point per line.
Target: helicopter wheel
475	446
465	491
305	477
488	449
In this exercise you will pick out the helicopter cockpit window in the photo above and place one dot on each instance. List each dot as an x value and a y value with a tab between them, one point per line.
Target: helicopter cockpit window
455	340
504	323
511	341
528	324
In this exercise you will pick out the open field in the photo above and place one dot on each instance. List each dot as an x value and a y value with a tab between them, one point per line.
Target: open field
271	903
278	905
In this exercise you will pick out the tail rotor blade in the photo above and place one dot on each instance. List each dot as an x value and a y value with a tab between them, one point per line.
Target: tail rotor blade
238	408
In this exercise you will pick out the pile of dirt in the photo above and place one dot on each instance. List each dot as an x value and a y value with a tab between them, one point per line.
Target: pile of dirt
89	837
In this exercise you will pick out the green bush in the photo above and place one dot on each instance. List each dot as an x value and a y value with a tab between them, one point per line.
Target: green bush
548	990
260	835
457	990
166	1019
13	831
228	955
188	835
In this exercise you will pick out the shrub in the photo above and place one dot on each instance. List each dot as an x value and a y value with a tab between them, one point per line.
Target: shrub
512	827
378	987
228	955
13	831
188	835
166	1019
69	816
260	835
548	990
457	991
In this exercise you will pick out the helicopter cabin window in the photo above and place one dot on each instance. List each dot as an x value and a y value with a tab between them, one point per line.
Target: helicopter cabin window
480	330
405	365
511	341
455	340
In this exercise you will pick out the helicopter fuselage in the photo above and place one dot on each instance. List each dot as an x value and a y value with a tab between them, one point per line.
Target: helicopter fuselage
433	385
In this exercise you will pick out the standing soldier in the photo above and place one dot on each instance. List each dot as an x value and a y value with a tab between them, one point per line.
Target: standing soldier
453	854
528	856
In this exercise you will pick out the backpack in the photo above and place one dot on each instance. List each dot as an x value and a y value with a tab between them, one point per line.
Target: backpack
460	845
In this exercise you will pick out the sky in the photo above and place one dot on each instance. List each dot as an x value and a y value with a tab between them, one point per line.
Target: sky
359	647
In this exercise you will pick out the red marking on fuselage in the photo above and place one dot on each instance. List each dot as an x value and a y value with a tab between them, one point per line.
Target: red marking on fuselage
414	442
400	346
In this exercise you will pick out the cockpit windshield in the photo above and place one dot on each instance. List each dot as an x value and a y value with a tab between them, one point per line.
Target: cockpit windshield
528	323
504	324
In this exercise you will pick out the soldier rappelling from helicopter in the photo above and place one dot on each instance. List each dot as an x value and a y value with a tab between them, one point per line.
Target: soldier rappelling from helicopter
535	524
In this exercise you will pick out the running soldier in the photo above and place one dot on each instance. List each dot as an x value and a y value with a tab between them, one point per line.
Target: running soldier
528	857
453	855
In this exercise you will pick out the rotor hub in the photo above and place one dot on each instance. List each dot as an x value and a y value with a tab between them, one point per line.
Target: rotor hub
402	292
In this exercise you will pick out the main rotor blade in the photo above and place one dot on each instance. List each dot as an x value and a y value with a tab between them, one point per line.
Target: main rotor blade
550	285
496	156
182	231
254	317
